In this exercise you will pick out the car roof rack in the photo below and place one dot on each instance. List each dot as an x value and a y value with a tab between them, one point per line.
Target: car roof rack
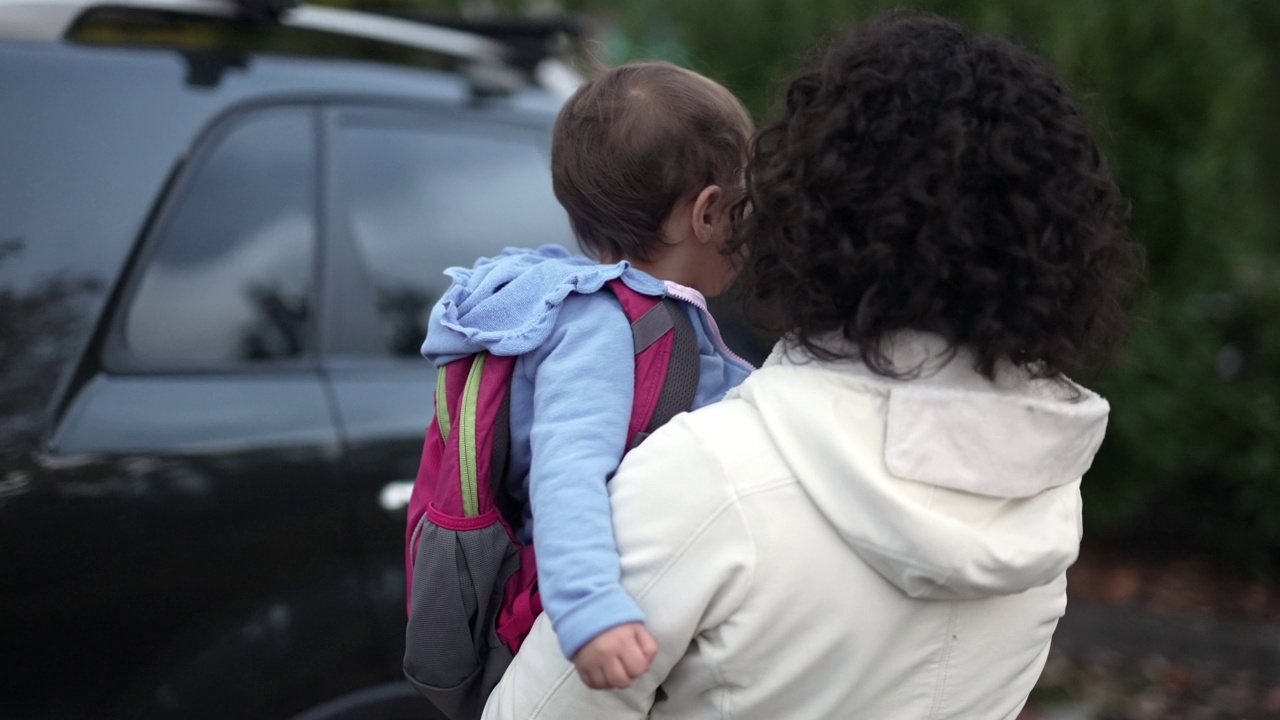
50	21
529	41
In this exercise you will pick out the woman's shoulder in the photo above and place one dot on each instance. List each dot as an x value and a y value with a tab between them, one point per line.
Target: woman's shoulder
723	444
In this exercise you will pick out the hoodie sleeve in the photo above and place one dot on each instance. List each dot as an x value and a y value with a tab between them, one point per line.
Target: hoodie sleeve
689	559
583	389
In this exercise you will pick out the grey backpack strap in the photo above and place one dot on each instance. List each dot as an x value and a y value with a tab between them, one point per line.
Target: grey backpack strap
499	460
683	371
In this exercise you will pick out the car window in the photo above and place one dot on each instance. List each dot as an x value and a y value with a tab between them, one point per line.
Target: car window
416	200
231	279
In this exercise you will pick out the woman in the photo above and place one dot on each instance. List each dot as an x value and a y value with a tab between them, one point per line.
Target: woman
878	523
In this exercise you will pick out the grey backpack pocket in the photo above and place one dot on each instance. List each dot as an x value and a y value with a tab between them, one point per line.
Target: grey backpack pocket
452	652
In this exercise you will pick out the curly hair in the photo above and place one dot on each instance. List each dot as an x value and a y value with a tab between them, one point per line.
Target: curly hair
926	178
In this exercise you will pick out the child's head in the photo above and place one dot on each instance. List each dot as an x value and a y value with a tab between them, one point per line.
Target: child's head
635	143
926	178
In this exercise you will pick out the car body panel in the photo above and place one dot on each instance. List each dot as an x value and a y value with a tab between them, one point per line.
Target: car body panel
178	544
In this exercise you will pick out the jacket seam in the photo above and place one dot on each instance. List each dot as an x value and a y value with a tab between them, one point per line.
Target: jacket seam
679	552
550	693
713	663
1058	494
728	503
948	640
733	502
903	558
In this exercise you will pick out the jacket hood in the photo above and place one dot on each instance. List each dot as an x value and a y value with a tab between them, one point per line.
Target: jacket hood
507	305
951	486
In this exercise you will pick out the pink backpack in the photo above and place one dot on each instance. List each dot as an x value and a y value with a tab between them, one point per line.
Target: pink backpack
472	585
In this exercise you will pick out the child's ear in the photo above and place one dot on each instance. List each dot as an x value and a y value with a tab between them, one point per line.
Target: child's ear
706	210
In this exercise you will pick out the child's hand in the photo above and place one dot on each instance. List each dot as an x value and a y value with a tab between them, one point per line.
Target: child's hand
616	656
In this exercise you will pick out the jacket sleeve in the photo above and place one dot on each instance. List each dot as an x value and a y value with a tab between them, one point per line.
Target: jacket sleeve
583	388
687	558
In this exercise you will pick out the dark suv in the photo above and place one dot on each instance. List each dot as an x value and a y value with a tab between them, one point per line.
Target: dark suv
219	241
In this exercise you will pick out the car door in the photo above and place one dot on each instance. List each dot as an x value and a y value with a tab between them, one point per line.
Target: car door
190	550
412	192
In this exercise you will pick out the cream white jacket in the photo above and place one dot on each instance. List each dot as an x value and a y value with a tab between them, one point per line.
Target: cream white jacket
829	543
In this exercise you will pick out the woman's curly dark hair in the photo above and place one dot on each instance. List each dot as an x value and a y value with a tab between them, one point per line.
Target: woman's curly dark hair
926	178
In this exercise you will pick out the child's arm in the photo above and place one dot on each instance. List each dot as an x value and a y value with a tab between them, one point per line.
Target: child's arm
689	557
583	391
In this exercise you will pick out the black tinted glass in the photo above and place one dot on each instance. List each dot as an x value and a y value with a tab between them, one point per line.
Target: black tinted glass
418	201
231	280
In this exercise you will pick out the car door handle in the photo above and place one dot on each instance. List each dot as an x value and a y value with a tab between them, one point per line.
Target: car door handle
395	495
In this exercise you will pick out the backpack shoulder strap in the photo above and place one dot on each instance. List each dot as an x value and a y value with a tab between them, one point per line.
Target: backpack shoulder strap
667	363
474	434
680	383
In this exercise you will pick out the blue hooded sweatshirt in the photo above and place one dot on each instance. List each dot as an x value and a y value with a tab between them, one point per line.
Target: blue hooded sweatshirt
571	395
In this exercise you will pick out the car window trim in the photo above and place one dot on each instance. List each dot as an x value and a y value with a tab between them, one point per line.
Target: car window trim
117	357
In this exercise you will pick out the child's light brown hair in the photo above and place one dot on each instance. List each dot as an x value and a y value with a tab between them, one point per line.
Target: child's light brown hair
634	141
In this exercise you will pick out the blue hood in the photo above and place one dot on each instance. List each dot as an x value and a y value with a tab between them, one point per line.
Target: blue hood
507	305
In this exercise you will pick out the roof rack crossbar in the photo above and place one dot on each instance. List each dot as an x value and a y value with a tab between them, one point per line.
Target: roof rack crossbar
50	20
529	41
377	27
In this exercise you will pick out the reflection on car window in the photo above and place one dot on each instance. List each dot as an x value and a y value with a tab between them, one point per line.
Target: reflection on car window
418	201
231	281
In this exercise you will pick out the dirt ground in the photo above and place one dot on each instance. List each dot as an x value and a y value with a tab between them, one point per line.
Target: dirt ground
1148	638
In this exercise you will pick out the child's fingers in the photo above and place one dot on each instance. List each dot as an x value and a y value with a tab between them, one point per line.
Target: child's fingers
617	674
634	660
616	657
594	678
647	644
